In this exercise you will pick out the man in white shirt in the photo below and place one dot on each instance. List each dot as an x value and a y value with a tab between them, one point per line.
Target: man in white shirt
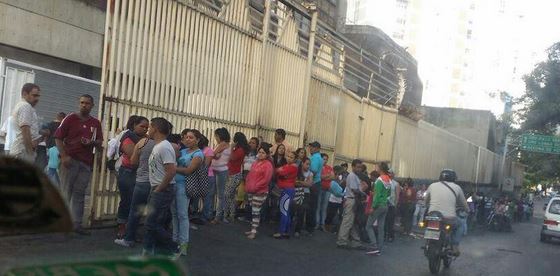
26	124
445	197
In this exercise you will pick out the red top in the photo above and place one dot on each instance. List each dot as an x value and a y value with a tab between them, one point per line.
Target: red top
327	170
125	158
71	131
287	176
236	160
259	176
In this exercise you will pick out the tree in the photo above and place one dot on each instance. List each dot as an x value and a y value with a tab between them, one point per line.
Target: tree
541	114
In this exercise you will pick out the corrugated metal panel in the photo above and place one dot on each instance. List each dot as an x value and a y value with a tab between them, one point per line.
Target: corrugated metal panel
349	126
322	113
248	66
60	94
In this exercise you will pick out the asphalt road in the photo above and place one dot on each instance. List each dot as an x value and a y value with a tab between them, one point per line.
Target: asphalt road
224	250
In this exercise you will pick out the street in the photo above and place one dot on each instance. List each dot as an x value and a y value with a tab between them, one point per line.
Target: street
224	250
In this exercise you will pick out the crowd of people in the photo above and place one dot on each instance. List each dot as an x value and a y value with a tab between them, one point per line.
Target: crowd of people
184	178
186	182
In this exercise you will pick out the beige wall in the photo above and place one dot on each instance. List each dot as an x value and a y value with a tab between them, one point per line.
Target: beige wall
65	29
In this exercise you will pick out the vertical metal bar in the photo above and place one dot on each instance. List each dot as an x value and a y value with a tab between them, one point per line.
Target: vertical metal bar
215	69
313	9
127	56
194	57
174	56
155	57
137	45
263	65
182	48
97	175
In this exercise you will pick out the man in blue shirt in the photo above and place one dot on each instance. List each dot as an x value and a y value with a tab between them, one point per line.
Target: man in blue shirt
316	167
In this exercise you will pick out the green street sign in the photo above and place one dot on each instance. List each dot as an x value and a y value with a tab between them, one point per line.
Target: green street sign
140	266
540	143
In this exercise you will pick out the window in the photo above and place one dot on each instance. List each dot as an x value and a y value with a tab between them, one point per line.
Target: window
554	207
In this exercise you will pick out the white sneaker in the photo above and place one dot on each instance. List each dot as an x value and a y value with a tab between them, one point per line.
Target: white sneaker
123	242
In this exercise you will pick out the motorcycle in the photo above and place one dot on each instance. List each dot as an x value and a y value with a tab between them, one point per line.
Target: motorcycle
438	241
498	223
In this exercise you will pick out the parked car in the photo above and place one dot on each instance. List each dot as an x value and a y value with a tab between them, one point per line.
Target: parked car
551	223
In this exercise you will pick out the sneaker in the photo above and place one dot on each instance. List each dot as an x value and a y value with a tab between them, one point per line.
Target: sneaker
183	248
252	236
374	252
123	242
277	236
226	221
317	227
193	227
296	234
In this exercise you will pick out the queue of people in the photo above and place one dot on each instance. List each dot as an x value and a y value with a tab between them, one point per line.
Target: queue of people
181	177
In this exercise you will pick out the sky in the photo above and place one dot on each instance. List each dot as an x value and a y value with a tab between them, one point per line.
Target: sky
503	48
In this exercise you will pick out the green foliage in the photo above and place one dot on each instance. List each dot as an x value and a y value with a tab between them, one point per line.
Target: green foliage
541	114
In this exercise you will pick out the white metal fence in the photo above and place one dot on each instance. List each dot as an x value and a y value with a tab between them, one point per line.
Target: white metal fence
252	66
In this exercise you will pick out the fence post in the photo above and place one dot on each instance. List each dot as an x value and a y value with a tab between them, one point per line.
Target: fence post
306	87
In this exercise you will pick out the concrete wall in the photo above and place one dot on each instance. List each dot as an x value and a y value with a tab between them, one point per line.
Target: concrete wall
65	29
476	126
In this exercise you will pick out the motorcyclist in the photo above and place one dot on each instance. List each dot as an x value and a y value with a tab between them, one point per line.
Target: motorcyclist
447	197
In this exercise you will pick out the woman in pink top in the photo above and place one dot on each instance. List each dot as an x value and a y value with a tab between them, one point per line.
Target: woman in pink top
257	186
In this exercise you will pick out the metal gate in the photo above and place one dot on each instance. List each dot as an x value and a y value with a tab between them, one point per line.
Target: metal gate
249	65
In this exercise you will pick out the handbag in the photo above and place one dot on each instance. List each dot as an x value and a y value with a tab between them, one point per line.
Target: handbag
460	212
197	184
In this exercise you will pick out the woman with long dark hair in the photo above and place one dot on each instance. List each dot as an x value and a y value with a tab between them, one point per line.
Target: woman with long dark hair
279	156
239	149
300	155
257	186
222	152
190	159
137	127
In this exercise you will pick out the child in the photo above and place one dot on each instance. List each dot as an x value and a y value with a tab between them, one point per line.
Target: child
54	163
302	195
334	209
287	175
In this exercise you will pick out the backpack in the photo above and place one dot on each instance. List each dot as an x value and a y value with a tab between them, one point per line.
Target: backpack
114	160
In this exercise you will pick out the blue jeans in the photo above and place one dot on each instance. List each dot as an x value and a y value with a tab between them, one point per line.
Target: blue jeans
457	233
158	240
53	176
180	214
379	215
125	181
221	179
139	200
208	207
322	204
